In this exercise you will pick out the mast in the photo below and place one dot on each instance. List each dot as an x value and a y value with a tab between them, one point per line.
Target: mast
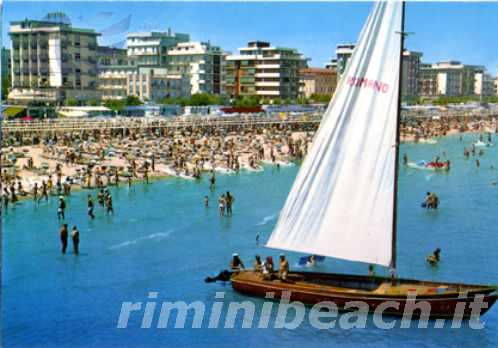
396	156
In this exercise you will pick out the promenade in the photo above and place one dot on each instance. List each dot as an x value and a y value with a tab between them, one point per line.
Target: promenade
127	123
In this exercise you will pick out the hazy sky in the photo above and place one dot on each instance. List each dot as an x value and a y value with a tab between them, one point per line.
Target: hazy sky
467	32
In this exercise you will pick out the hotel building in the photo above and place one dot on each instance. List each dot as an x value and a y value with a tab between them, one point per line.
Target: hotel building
449	78
317	81
202	63
263	70
52	61
151	48
113	70
154	84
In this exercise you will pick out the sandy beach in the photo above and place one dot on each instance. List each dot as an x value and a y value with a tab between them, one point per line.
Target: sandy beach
97	159
75	161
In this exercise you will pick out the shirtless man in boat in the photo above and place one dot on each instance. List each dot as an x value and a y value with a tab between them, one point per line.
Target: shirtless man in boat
283	271
236	264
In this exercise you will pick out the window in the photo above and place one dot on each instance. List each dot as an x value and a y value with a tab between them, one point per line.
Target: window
77	56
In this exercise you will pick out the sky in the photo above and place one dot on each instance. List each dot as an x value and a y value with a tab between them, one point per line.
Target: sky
467	32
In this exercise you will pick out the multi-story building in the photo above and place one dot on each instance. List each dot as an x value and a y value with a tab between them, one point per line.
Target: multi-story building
411	67
484	84
317	81
113	81
52	61
332	65
202	63
155	84
449	78
108	56
263	70
410	75
113	69
343	52
151	48
6	66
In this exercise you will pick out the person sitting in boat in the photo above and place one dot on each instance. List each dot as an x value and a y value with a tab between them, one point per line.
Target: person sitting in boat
258	265
268	268
433	259
311	261
236	264
283	271
371	271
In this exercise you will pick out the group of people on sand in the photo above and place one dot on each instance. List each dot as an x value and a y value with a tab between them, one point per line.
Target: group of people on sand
265	268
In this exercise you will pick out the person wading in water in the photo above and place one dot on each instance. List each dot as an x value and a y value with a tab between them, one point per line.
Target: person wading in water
229	201
75	236
90	207
64	237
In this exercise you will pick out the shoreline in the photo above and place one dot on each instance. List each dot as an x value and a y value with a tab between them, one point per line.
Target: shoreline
181	155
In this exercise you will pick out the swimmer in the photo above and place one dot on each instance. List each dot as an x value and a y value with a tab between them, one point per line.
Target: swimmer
433	259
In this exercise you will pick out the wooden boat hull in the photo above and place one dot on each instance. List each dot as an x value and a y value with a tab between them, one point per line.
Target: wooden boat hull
312	288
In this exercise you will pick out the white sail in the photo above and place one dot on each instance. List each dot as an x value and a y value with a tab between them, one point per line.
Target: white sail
341	203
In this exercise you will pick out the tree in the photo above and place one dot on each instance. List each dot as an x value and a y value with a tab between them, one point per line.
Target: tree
169	101
302	100
72	102
320	98
247	101
116	105
131	100
92	102
5	86
200	99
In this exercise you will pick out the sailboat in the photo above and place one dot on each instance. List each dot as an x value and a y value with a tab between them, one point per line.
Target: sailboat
343	201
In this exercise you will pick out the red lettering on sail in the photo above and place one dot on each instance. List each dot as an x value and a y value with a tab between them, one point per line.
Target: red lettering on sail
363	82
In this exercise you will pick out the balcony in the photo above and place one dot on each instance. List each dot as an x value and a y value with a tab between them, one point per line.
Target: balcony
276	93
268	84
265	74
268	66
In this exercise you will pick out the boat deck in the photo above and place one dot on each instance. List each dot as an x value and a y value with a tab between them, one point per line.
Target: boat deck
358	285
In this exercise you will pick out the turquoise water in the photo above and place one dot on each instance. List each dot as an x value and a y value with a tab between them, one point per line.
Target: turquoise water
162	239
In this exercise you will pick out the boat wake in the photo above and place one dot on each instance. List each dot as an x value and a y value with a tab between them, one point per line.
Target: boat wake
153	236
267	219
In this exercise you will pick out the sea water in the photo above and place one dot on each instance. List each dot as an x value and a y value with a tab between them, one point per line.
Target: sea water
162	239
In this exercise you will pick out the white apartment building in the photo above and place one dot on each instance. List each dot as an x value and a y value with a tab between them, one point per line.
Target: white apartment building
52	61
151	48
202	63
113	81
156	83
113	68
411	70
484	84
343	52
263	70
448	78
